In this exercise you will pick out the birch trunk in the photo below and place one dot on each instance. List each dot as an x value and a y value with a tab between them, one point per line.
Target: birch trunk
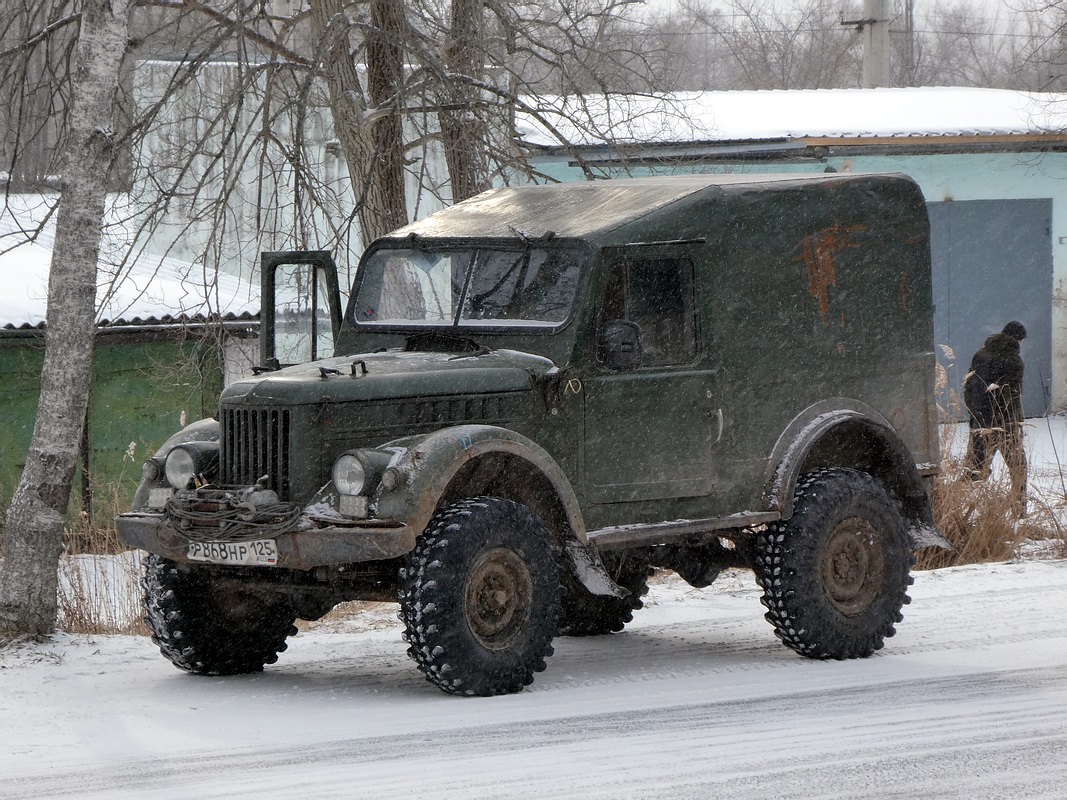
35	517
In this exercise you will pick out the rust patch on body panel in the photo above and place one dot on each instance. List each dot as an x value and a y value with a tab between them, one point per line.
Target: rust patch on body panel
819	251
902	291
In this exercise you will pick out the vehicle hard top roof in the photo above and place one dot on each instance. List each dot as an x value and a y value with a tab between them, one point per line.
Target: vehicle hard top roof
588	209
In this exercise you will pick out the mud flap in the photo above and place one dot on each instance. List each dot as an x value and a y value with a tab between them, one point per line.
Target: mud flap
587	567
923	535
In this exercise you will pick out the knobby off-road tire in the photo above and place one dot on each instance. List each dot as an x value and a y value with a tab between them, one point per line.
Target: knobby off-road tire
480	597
587	614
209	626
835	576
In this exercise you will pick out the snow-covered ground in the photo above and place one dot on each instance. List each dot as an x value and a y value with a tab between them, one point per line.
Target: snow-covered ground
696	699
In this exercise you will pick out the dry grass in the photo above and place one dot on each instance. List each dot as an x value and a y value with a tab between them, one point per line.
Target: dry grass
977	516
977	519
96	535
99	578
99	585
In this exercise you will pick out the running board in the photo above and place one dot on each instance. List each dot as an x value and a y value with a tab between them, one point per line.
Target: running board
619	537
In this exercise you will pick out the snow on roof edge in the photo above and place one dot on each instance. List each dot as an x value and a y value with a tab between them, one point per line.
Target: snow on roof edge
133	287
748	115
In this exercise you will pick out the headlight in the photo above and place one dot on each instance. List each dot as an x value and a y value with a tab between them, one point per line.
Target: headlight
350	474
189	460
359	471
180	468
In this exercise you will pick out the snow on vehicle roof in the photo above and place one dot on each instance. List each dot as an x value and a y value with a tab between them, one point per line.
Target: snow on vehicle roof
133	287
588	209
676	117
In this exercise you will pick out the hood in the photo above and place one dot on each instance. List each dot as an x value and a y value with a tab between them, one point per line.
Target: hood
392	374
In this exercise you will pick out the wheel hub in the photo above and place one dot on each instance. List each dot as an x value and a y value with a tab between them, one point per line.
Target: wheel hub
498	597
853	566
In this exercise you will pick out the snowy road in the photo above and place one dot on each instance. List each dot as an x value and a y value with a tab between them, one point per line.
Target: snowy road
695	700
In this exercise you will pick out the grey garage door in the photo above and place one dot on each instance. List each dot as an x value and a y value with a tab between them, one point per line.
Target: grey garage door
992	262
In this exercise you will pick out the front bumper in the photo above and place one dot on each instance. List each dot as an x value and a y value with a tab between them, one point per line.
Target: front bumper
298	549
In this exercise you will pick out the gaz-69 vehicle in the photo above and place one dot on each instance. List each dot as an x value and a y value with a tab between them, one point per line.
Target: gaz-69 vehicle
536	397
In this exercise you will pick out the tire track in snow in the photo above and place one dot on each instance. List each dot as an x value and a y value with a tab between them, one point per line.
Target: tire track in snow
748	746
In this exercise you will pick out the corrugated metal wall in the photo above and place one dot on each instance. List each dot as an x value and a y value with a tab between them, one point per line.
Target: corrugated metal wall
140	391
992	263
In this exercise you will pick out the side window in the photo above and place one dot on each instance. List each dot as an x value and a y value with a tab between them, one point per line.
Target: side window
657	294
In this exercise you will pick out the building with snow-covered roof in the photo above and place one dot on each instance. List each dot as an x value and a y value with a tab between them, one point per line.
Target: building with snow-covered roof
991	163
169	335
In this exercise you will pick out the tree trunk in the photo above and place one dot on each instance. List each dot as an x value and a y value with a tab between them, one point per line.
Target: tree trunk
35	518
370	134
463	128
385	83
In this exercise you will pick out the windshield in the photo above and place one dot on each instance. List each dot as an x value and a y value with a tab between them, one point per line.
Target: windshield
475	287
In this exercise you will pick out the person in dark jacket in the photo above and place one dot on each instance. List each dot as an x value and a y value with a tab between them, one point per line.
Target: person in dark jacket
992	390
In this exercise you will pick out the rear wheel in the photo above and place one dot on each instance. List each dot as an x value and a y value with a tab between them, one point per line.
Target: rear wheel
480	597
835	575
209	625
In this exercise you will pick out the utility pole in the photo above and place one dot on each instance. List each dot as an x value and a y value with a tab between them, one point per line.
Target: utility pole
875	29
909	42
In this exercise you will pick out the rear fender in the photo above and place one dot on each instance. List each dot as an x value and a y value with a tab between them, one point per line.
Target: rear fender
842	432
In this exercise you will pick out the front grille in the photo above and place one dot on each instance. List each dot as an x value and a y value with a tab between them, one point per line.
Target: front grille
255	442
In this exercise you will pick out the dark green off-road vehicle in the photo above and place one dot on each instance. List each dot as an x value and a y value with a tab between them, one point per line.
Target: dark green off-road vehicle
539	395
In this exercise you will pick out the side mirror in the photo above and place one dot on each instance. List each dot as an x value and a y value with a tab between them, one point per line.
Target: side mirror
619	345
300	307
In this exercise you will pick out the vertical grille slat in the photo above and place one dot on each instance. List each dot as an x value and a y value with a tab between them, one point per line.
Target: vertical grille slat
255	442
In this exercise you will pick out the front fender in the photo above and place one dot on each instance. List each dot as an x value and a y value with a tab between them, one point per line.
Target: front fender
203	430
427	465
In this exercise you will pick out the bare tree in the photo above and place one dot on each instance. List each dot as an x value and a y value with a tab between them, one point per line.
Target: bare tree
1037	34
762	44
796	47
959	45
462	121
225	130
35	517
366	115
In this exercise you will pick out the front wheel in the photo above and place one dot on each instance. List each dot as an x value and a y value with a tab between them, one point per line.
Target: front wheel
207	624
835	575
480	597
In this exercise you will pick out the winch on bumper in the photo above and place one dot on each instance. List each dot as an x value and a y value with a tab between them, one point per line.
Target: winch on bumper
248	526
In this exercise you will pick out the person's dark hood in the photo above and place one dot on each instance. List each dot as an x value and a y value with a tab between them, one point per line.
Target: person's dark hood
1001	344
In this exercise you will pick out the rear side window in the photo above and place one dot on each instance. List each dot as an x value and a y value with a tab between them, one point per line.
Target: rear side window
657	294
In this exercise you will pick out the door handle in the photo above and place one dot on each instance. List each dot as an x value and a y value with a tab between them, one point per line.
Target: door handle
718	419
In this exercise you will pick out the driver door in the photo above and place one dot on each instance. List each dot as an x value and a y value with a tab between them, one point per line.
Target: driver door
650	421
300	309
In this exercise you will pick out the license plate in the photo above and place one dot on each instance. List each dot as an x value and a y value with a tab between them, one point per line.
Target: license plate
260	552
